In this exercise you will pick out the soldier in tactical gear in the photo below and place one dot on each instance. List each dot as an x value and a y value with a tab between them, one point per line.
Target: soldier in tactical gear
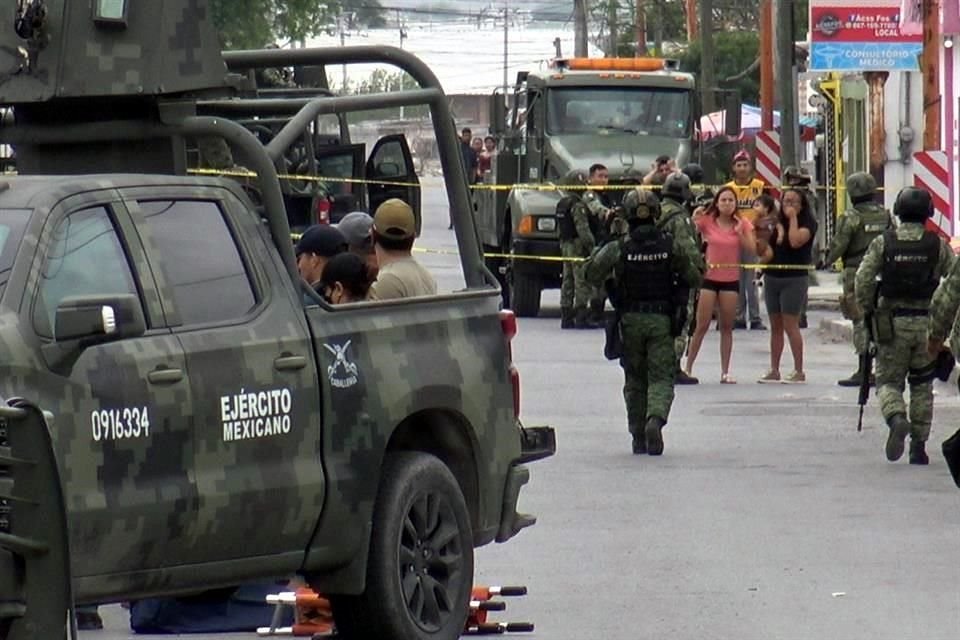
856	229
909	261
675	219
598	202
578	231
647	266
700	194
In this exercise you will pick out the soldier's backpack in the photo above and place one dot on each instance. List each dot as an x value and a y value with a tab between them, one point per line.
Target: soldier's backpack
564	212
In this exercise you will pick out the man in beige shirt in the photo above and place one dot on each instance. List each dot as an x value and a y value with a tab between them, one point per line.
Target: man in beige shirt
400	275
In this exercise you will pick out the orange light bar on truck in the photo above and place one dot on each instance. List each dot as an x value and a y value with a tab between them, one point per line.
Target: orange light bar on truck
612	64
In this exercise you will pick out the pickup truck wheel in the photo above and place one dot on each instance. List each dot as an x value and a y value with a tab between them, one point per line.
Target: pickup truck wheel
525	295
420	568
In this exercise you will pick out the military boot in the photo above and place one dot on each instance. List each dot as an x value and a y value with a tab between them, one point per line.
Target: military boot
566	318
582	320
683	377
639	442
653	434
853	381
596	312
918	452
899	428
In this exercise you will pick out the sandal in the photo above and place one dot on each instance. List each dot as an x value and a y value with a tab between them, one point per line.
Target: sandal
727	379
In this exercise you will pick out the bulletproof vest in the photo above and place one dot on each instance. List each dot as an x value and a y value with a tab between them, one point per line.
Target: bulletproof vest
646	275
565	226
874	220
910	267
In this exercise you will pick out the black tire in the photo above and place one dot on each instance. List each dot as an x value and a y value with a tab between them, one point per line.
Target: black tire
420	567
525	295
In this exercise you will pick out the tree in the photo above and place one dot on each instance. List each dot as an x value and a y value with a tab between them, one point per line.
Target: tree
735	52
254	24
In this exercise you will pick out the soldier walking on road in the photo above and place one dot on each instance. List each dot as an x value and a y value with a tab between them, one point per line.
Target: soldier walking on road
856	229
648	268
675	219
578	237
909	261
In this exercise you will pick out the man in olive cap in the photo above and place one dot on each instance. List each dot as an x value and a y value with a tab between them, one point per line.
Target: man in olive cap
315	247
400	275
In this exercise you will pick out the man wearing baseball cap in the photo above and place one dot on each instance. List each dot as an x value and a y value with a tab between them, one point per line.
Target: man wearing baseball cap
400	275
315	247
357	228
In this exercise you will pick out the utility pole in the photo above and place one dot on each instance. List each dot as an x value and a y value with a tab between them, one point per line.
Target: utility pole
580	28
786	83
930	66
612	24
506	41
707	73
766	65
640	21
691	11
403	36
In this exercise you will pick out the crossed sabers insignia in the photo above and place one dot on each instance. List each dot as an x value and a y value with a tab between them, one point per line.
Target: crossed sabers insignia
340	358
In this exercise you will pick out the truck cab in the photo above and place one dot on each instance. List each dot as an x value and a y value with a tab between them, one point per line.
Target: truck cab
619	112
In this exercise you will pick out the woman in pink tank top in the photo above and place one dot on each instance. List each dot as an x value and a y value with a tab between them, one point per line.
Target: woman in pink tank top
725	234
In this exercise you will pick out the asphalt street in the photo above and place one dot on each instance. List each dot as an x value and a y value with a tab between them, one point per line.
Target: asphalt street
768	516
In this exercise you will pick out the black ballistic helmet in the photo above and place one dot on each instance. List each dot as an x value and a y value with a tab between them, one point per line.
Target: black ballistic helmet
677	185
913	204
695	172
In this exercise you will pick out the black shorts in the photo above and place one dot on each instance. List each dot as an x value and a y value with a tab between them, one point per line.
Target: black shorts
717	287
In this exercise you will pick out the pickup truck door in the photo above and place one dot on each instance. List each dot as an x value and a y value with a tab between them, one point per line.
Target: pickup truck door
126	446
256	409
391	174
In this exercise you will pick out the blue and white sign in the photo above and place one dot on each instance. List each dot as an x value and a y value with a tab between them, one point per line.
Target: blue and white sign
865	56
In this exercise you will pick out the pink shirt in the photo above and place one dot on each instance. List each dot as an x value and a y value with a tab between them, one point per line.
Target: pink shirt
723	247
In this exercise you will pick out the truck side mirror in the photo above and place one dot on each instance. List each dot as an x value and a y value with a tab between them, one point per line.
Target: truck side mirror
732	113
95	319
498	114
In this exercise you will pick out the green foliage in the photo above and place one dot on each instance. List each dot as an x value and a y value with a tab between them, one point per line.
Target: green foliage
254	24
734	52
384	81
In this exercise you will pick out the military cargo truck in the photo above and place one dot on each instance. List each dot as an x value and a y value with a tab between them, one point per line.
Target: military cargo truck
180	411
619	112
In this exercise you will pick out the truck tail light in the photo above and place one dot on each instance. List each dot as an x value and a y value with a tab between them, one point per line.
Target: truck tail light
508	322
323	211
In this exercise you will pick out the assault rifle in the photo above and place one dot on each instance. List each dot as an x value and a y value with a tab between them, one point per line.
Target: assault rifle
866	366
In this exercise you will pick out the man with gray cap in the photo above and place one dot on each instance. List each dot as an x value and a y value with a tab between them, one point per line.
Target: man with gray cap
400	276
356	227
315	247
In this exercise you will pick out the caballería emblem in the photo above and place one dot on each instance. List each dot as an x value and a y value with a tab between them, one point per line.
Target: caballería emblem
342	373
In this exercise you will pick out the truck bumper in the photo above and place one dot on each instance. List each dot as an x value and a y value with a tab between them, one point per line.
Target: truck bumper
537	443
548	270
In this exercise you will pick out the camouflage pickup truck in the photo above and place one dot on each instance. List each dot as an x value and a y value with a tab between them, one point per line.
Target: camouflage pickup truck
181	411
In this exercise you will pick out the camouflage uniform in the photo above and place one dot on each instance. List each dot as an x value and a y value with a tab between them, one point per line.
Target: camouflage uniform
675	220
596	204
856	229
575	291
905	354
648	359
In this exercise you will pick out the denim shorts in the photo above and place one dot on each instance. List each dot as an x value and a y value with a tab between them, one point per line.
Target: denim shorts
785	295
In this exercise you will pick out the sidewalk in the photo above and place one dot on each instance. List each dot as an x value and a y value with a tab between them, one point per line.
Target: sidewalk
825	296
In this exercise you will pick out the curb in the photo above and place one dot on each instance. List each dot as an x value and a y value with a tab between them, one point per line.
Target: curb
837	329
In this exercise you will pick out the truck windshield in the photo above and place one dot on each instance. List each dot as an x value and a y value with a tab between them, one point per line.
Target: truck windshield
12	224
640	110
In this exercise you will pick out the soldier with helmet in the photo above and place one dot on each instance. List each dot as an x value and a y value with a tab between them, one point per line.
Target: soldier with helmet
909	261
578	231
700	194
856	229
647	267
675	219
